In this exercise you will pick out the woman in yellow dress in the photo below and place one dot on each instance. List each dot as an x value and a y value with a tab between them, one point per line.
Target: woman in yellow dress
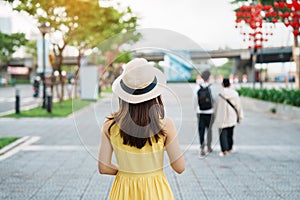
138	133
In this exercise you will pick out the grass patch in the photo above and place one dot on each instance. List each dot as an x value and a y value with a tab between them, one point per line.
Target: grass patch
6	141
107	90
58	110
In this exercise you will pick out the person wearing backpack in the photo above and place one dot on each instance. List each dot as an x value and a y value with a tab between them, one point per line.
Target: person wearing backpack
229	113
204	107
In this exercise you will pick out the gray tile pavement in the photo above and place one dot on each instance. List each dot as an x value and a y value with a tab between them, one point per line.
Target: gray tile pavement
62	164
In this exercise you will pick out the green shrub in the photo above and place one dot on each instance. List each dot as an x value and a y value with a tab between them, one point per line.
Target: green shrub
284	96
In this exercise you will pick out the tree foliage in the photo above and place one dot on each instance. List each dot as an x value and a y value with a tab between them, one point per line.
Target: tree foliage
225	70
80	23
9	43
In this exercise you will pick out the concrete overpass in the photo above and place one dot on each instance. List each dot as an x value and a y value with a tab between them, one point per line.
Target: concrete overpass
241	58
266	55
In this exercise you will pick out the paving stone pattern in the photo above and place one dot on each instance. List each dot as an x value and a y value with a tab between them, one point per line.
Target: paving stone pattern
63	163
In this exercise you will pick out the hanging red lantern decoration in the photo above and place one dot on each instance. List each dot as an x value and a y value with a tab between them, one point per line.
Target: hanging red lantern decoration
296	32
291	16
253	16
281	4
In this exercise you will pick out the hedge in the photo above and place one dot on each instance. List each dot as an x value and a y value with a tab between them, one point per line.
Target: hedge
284	96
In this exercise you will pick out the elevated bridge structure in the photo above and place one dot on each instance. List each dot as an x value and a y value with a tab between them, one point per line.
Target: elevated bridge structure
266	55
241	58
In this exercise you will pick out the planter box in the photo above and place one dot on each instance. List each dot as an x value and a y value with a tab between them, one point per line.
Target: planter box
266	106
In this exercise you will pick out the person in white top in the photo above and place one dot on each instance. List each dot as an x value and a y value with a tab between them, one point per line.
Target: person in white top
228	112
205	114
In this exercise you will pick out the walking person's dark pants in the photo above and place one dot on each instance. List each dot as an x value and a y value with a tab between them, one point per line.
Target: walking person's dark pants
226	138
204	121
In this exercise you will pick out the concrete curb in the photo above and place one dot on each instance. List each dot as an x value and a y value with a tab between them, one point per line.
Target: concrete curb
14	144
24	108
292	112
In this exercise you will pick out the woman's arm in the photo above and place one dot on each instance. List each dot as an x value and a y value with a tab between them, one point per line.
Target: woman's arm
173	149
105	153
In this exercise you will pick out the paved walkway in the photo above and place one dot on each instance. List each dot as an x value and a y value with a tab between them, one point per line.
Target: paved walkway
62	162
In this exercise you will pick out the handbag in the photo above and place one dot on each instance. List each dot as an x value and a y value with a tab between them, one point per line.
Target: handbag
236	111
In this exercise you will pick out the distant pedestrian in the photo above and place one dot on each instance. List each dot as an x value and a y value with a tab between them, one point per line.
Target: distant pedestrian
204	97
36	87
138	133
228	113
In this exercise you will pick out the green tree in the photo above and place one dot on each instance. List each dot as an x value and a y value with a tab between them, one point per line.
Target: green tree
225	70
9	43
31	49
80	23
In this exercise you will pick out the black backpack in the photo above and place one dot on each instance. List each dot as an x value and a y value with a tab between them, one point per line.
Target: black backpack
204	98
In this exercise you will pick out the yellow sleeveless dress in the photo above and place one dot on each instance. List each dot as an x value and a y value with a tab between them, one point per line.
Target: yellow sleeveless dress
140	175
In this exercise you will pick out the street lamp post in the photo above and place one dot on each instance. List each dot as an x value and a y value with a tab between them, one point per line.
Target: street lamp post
44	28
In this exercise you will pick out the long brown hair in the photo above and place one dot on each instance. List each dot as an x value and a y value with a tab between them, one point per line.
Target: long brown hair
139	122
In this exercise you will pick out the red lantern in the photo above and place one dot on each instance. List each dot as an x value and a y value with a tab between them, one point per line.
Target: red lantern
286	14
274	14
296	5
296	32
281	4
259	6
286	23
289	5
267	7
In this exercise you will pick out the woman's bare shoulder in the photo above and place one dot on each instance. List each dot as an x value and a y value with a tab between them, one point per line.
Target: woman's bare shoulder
105	126
169	125
169	121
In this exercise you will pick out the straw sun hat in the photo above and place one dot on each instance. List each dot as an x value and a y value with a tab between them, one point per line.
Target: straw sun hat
140	81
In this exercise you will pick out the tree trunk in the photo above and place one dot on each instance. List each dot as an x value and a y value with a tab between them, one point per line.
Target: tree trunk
76	74
58	60
296	54
254	58
57	66
62	84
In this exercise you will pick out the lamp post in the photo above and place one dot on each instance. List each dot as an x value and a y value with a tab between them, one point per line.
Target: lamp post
44	28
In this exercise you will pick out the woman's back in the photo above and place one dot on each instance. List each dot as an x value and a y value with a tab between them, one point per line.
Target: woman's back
134	160
140	174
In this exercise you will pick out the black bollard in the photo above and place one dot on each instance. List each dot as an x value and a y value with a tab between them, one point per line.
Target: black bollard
49	102
17	101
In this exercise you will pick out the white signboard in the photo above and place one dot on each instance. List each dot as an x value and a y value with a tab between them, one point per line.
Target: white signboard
48	68
89	84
